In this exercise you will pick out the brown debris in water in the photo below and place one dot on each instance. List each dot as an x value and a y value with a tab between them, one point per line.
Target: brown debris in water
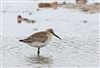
87	8
48	5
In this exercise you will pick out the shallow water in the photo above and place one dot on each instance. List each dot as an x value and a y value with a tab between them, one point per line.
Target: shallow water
79	47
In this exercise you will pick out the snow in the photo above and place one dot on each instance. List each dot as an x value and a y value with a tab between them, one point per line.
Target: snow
79	47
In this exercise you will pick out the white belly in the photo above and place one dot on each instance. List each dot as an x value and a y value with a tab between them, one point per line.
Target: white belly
39	44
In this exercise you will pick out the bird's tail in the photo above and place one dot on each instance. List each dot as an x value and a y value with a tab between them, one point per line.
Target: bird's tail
21	40
25	41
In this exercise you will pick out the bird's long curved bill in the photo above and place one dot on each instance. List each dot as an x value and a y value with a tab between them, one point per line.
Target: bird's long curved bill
57	36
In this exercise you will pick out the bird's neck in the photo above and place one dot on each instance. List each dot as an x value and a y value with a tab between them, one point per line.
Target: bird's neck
49	34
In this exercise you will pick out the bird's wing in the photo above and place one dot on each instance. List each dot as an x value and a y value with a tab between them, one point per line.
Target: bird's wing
37	37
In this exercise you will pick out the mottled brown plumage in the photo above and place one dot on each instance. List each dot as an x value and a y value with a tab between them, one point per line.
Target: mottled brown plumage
39	39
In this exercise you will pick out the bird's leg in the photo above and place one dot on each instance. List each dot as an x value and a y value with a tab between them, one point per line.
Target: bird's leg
38	52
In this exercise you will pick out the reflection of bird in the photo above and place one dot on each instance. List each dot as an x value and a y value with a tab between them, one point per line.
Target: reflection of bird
20	19
40	39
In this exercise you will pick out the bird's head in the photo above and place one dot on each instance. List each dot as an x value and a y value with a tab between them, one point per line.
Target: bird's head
19	16
51	31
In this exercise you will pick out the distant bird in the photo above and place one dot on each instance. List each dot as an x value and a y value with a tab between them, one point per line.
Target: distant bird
20	19
40	39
